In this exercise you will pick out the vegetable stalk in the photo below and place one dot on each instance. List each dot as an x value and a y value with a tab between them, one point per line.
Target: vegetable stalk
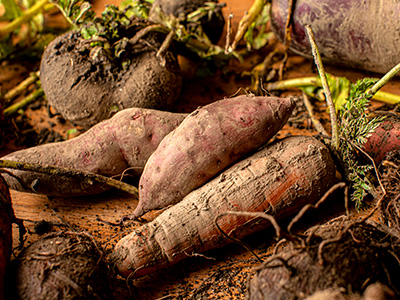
304	82
324	81
28	14
72	173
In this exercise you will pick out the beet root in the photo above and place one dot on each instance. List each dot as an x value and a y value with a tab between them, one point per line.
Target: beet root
86	88
385	140
350	33
341	257
62	265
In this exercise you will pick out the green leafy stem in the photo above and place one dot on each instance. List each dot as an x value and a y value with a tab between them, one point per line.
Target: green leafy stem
339	87
352	127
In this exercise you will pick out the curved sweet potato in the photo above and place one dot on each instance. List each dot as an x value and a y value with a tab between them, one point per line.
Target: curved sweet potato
108	148
279	179
205	143
350	33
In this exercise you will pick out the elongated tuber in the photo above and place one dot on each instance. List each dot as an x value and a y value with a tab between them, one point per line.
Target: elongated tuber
210	139
279	180
124	141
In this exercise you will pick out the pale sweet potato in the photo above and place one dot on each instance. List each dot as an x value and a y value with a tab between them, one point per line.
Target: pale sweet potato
124	141
205	143
279	180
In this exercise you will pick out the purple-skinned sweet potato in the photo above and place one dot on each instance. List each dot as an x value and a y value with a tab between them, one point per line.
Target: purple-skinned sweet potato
205	143
108	148
352	33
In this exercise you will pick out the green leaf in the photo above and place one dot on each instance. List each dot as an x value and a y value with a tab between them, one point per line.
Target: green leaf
354	129
12	10
340	89
76	12
6	48
256	37
71	131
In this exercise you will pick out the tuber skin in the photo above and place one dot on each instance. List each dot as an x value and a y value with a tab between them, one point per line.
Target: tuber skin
349	33
108	148
279	180
61	265
348	256
6	219
210	139
385	139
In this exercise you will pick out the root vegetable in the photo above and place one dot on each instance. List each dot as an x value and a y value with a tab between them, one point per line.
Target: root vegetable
85	85
385	139
6	219
205	143
279	179
339	258
124	141
349	33
62	265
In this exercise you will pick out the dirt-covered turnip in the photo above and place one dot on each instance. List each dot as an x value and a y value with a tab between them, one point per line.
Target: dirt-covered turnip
385	140
353	33
61	265
86	83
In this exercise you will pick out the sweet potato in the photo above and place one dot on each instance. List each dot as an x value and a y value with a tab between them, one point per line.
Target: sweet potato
385	140
206	142
352	33
124	141
6	219
279	179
